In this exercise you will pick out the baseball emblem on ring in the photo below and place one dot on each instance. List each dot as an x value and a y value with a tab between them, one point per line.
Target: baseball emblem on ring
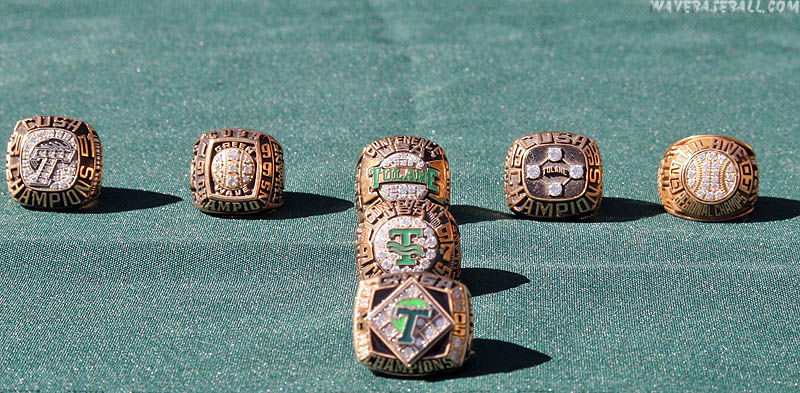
407	236
237	171
402	168
54	162
412	323
554	175
708	178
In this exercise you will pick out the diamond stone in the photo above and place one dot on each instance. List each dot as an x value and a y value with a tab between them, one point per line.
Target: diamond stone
533	171
554	153
554	189
576	171
408	332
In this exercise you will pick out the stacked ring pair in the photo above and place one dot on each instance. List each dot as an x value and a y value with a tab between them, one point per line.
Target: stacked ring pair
411	316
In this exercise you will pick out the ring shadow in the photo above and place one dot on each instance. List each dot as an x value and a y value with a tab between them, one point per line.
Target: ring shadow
611	210
116	200
769	209
482	281
625	209
301	205
494	357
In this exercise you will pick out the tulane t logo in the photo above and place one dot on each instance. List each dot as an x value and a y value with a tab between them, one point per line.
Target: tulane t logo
405	248
405	315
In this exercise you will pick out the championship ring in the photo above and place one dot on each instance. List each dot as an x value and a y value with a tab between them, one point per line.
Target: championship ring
708	178
407	236
237	171
412	324
402	168
54	162
554	175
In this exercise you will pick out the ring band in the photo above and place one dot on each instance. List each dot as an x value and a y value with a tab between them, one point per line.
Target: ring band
554	175
412	324
402	168
237	171
54	162
708	178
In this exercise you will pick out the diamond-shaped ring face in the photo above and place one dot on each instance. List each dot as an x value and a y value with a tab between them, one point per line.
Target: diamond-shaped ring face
407	236
402	168
553	175
237	171
409	321
708	178
54	162
412	323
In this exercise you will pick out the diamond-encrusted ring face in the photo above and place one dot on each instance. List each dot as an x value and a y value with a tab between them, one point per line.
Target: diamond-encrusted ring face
407	236
233	170
708	178
710	175
401	168
237	171
54	162
412	324
552	175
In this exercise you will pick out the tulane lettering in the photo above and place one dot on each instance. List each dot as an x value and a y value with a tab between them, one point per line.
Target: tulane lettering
427	177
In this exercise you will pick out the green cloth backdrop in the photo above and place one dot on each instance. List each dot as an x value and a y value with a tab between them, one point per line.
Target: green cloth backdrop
144	293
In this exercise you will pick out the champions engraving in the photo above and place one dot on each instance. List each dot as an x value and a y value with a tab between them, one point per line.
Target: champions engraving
417	324
554	175
710	178
54	162
237	171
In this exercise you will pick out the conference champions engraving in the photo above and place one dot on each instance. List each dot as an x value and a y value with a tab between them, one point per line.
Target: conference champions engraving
407	236
54	162
237	171
412	324
402	168
708	178
553	175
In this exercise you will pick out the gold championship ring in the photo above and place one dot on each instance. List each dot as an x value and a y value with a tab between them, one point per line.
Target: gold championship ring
708	178
407	236
402	168
54	162
412	324
554	175
237	171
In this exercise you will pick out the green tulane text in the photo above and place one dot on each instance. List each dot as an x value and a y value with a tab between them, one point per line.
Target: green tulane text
427	176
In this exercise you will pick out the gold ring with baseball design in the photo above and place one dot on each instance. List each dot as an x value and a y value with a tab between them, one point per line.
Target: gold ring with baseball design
708	178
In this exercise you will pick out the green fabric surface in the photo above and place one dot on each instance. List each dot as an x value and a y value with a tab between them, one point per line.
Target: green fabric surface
145	293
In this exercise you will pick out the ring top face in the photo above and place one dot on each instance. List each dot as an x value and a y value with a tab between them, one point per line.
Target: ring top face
709	178
402	168
54	162
554	175
407	236
412	324
237	171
